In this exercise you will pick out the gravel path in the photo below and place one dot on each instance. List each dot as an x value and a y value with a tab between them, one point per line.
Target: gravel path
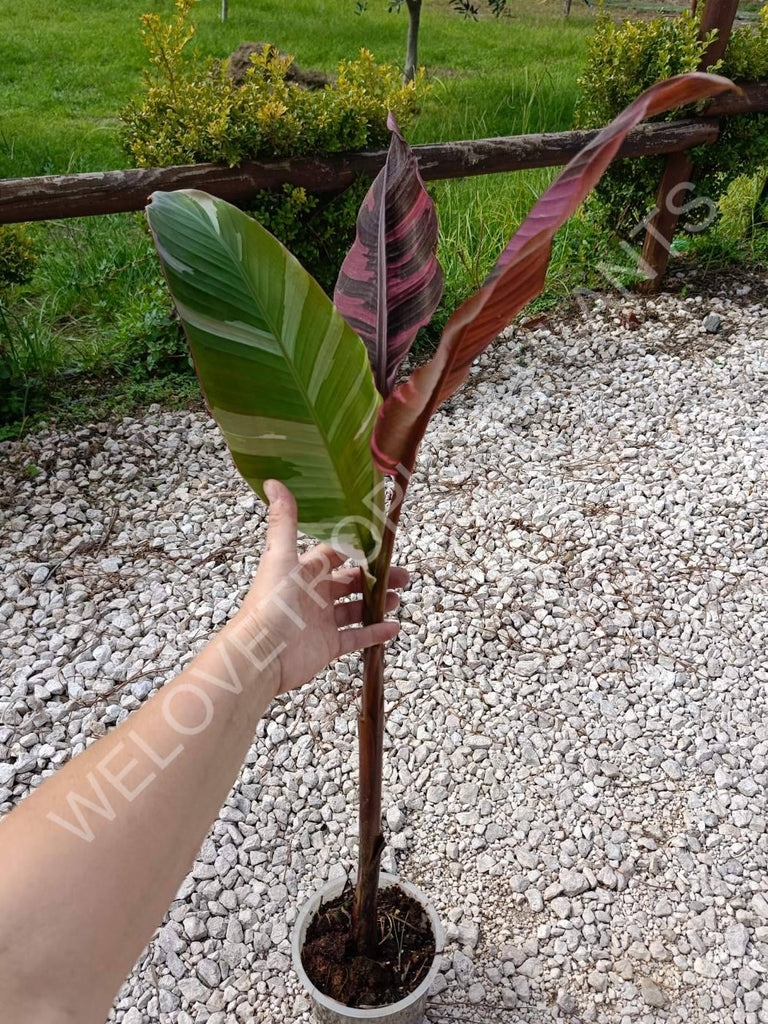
577	741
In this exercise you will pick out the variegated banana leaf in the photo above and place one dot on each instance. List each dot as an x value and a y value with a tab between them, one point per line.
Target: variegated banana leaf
391	282
285	377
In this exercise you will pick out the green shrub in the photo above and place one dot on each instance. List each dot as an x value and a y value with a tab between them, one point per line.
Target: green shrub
149	340
192	112
18	255
744	207
625	59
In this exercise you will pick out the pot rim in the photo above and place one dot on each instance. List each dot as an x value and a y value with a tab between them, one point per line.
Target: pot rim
328	891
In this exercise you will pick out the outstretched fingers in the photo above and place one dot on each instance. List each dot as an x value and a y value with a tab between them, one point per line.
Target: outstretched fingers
349	581
366	636
348	613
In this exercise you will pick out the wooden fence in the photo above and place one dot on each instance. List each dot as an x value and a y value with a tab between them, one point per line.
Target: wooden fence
83	195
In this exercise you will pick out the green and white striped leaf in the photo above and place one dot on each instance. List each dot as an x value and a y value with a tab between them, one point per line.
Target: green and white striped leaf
287	380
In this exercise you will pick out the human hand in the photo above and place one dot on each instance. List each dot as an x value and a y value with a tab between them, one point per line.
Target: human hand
292	604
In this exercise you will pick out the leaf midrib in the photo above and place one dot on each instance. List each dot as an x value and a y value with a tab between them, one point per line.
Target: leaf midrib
299	383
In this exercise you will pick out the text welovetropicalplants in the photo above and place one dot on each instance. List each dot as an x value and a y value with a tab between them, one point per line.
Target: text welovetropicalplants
297	398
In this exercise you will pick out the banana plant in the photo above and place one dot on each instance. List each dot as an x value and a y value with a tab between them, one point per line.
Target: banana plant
305	390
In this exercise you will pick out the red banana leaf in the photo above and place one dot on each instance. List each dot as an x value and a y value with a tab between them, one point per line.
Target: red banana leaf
390	282
517	277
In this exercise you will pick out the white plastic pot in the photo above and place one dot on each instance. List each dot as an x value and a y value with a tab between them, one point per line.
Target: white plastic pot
409	1010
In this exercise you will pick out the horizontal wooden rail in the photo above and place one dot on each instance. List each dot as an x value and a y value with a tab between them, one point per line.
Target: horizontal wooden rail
752	100
85	195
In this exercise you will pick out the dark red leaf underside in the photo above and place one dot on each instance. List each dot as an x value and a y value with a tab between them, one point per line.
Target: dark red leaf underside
390	282
517	277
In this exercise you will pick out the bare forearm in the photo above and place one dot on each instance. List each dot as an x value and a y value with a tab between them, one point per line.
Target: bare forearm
90	862
104	844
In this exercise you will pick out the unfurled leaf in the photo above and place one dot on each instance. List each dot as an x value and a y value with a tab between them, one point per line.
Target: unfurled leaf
517	277
285	377
390	283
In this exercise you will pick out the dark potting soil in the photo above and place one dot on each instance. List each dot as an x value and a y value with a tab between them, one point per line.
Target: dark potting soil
405	952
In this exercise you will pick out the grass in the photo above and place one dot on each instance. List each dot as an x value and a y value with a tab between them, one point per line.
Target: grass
96	302
67	71
96	309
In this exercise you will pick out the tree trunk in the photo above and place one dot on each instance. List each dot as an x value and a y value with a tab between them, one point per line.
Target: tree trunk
371	746
566	8
412	46
224	9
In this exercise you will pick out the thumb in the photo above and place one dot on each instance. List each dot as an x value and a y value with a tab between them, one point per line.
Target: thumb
281	528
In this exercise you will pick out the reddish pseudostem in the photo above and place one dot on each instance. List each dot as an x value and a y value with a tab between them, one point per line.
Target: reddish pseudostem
371	743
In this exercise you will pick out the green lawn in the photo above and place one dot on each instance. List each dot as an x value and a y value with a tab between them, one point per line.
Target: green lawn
66	71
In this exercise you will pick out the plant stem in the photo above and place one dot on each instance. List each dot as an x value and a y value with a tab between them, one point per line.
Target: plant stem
371	743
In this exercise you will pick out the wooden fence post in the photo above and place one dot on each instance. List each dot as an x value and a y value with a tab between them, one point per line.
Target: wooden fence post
717	14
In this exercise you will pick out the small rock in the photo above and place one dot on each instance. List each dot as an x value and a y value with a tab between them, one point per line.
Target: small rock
469	933
195	928
625	969
663	908
672	769
193	991
300	1005
748	787
438	985
736	939
573	882
652	994
209	973
485	863
705	968
535	900
597	981
477	742
395	818
468	794
566	1001
476	993
512	955
531	968
562	907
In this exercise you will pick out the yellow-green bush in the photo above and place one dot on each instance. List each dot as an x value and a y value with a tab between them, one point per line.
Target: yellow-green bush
18	256
192	112
744	207
625	59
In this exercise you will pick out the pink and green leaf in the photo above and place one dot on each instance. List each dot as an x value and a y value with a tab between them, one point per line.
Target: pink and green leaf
390	282
517	277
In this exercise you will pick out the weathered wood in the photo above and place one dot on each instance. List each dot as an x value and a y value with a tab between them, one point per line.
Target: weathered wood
657	244
753	100
85	195
662	225
717	15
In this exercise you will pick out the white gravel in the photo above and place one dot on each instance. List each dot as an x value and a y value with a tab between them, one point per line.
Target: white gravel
577	744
